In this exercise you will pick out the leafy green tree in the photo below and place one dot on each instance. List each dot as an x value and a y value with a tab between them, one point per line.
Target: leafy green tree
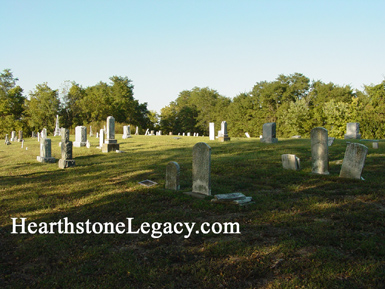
11	103
42	108
371	111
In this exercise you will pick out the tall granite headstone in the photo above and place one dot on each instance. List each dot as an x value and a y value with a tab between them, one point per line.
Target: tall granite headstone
224	136
201	169
66	160
80	136
319	151
20	139
269	133
110	144
45	151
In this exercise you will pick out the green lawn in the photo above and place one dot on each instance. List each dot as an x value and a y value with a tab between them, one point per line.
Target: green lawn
303	231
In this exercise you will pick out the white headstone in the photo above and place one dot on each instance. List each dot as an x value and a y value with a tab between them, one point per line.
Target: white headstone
352	130
247	134
211	131
269	133
80	136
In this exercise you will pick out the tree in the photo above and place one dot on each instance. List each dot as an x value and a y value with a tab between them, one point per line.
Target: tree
11	103
42	108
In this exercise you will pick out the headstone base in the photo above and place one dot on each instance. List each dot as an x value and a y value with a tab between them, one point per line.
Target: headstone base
108	147
269	140
79	144
66	163
223	138
45	160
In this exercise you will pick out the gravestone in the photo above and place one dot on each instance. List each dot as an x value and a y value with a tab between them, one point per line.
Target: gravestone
147	132
330	141
319	151
137	131
34	134
20	139
57	127
43	133
247	134
188	134
269	133
6	141
45	151
170	133
126	132
201	169
354	161
13	136
183	134
22	144
375	145
38	136
66	160
160	132
211	131
352	130
172	176
88	144
110	144
152	132
91	133
101	138
80	136
290	162
224	136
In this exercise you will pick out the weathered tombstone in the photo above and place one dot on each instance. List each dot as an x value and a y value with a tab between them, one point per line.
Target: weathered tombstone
6	141
66	160
352	130
290	162
34	134
269	133
97	135
172	176
38	136
354	161
126	132
80	136
247	134
91	133
184	134
170	133
110	144
319	151
137	131
330	141
88	144
201	169
57	127
224	137
44	133
101	138
160	132
375	145
152	132
13	136
22	144
45	151
188	134
20	139
147	132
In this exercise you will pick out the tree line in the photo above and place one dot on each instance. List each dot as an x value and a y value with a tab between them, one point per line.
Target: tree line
294	102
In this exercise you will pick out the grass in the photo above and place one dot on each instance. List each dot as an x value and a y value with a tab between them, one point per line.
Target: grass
303	231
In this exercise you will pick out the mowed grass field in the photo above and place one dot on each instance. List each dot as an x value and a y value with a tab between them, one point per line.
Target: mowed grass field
303	231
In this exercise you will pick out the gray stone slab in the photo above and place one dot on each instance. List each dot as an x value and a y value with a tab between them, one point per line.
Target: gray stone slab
290	162
201	168
354	161
172	176
269	133
319	151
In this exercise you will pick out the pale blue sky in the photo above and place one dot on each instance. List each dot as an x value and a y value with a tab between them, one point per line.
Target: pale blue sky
165	47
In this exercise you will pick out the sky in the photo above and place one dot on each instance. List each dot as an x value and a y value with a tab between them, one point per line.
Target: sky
167	46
